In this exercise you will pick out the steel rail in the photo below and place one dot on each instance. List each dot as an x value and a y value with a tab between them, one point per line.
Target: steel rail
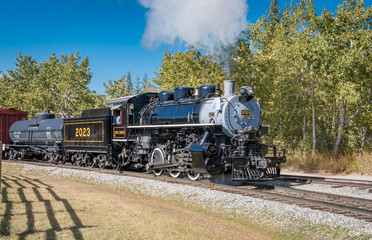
329	181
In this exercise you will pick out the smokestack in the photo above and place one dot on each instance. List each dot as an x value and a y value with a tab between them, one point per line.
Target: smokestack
229	88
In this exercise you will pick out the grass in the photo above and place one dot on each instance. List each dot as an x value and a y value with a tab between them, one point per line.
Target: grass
347	163
36	206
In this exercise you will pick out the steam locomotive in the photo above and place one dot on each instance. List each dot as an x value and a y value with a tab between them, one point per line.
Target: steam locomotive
192	131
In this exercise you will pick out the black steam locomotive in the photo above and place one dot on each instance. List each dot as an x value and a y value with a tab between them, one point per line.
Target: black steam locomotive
181	131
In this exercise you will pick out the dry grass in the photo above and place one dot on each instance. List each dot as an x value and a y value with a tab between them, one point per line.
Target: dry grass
347	163
40	207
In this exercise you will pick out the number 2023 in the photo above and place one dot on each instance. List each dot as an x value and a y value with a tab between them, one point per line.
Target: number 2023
82	132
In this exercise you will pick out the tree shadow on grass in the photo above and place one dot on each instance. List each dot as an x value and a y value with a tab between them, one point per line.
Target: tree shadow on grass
5	224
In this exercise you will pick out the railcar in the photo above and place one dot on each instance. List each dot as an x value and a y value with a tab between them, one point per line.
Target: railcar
192	131
39	138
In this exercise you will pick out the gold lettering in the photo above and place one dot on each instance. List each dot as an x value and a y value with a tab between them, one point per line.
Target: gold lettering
82	132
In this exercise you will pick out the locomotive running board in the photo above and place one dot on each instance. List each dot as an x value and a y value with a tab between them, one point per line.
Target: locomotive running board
177	125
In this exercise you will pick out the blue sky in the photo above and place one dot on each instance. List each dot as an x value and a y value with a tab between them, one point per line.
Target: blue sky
109	32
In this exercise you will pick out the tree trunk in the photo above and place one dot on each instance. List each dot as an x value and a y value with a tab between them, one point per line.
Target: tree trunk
313	153
305	122
304	126
340	130
364	138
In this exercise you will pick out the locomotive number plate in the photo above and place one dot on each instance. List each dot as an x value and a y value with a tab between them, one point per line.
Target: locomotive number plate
84	132
246	112
119	132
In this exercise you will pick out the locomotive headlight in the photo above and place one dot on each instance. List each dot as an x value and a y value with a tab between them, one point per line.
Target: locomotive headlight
246	91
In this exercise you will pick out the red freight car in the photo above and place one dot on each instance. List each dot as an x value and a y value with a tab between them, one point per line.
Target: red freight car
7	117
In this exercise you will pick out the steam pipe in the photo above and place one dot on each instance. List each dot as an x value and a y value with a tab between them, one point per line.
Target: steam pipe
204	138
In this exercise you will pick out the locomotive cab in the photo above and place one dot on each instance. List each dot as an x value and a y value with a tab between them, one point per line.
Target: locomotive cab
125	112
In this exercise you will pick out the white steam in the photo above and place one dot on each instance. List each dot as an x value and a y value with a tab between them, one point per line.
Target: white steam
201	23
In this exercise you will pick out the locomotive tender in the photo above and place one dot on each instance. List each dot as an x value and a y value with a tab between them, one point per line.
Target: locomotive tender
182	131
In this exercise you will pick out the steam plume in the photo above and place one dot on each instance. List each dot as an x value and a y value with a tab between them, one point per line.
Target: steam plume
201	23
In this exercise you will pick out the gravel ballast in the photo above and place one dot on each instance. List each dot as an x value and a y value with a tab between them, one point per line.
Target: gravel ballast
273	213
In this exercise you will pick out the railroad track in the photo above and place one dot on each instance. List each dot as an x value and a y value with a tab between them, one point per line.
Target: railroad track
358	208
334	182
352	207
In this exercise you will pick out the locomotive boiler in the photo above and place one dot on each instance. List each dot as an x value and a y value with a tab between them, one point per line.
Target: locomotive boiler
192	131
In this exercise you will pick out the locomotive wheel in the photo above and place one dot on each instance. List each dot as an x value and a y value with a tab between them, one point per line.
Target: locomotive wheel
62	160
157	157
56	158
116	166
116	163
12	155
90	161
175	174
21	156
101	164
158	172
78	162
193	175
91	164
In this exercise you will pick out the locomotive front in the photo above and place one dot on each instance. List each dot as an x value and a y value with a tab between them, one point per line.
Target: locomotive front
233	112
239	148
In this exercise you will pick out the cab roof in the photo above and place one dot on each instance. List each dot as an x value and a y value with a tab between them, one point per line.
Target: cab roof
117	102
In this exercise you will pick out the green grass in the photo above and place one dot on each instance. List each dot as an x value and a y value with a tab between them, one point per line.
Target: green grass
37	206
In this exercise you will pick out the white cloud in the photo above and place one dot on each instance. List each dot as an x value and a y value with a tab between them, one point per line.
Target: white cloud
202	23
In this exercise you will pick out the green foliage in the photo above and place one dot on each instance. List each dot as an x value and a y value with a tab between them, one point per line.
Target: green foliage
311	72
60	85
189	68
145	82
118	88
307	69
124	86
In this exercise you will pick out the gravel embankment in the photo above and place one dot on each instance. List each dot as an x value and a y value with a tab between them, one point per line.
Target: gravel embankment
273	213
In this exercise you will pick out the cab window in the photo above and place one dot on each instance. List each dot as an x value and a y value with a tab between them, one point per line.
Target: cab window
117	117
